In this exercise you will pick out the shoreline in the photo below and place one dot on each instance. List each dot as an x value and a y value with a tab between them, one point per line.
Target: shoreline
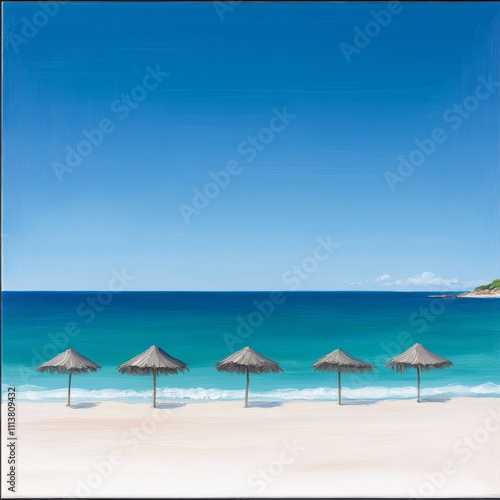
268	398
197	394
457	296
262	401
470	295
390	448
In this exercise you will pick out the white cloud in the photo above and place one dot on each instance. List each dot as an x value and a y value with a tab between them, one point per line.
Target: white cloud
425	279
384	277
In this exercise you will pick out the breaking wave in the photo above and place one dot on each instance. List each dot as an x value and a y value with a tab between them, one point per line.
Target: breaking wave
37	393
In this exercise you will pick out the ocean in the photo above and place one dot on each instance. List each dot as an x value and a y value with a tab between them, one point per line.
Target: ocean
292	328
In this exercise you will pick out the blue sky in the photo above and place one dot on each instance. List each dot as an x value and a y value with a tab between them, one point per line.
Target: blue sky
325	169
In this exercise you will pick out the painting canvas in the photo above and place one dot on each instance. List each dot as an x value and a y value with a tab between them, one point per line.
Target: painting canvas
250	249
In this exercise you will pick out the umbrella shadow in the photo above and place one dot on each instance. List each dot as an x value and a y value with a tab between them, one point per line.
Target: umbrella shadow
359	402
435	399
264	404
169	406
81	406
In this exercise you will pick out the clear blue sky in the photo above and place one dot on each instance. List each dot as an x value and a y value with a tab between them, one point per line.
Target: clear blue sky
323	174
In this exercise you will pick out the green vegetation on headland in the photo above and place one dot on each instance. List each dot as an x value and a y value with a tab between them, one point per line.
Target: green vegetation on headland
490	290
490	286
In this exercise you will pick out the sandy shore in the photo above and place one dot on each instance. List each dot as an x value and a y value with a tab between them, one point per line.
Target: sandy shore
389	448
492	296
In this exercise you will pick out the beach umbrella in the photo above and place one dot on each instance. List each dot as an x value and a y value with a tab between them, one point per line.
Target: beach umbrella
70	362
153	361
247	361
417	356
341	362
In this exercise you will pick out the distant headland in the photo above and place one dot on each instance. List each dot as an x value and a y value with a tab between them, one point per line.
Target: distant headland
489	291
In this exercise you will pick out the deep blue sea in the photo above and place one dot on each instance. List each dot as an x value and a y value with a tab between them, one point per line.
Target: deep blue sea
201	328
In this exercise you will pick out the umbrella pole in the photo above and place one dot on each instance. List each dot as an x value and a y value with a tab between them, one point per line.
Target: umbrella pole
69	387
418	384
154	388
246	391
340	390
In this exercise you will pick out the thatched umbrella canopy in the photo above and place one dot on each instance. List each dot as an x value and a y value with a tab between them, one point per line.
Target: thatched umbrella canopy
247	361
341	362
153	361
417	356
70	362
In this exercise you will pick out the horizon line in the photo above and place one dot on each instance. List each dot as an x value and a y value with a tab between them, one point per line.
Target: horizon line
239	290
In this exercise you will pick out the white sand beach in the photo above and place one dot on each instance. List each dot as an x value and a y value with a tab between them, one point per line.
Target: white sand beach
440	448
492	296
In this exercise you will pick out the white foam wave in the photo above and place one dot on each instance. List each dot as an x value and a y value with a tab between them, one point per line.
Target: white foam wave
29	393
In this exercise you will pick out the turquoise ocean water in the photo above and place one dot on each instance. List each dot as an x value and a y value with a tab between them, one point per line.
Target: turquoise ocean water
202	328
